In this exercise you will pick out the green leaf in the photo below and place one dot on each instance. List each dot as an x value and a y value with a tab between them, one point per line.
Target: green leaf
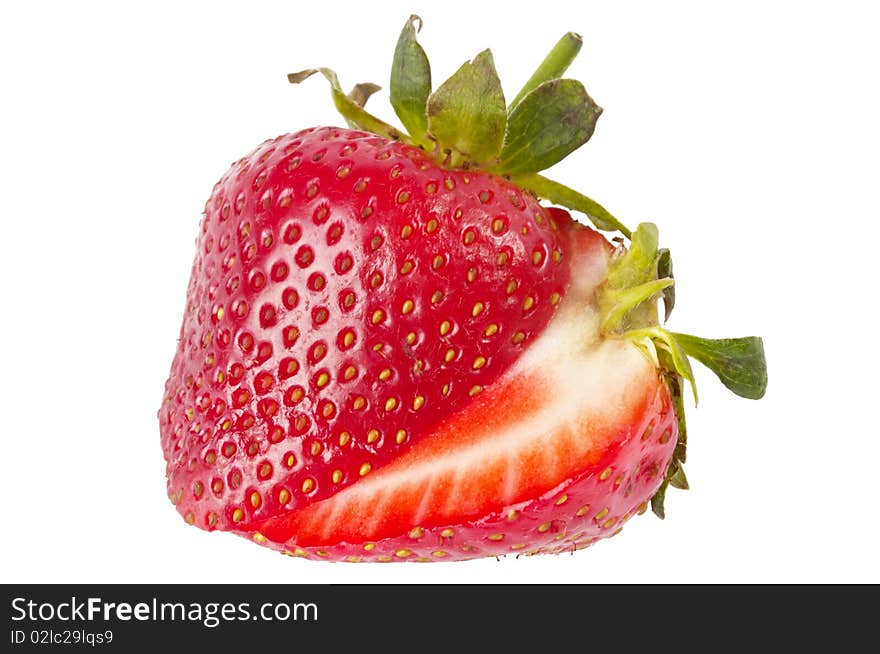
672	356
664	269
411	81
677	479
355	115
674	383
628	300
680	363
550	123
362	92
567	197
554	65
638	263
622	302
467	113
658	499
646	343
739	362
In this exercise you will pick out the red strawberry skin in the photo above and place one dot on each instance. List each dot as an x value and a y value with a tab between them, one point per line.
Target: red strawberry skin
347	296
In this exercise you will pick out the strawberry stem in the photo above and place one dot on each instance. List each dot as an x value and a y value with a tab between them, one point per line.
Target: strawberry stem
553	67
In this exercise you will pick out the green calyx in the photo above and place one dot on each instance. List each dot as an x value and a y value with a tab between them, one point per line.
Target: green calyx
465	122
637	278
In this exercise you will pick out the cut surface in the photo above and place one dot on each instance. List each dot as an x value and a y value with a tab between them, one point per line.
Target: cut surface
553	415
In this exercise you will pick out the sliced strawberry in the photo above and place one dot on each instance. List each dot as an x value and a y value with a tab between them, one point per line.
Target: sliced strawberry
392	350
568	417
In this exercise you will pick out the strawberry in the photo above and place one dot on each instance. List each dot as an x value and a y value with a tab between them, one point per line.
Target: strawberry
391	350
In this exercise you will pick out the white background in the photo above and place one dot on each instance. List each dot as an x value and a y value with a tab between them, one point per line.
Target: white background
748	133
